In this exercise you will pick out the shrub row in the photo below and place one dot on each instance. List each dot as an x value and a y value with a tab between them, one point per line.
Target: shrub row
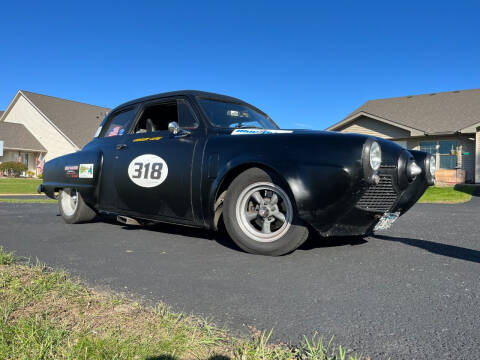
12	168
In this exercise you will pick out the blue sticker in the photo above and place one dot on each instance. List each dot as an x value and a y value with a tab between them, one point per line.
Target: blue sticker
121	131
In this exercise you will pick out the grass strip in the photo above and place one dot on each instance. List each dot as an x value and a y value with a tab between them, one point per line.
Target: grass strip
19	185
28	201
45	314
448	194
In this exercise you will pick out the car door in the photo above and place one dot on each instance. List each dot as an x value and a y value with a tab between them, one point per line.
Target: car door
112	135
153	168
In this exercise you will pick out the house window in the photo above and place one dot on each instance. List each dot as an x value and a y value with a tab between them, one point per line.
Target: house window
429	147
448	154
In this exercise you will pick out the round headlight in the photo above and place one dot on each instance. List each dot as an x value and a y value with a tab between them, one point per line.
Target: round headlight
375	156
433	166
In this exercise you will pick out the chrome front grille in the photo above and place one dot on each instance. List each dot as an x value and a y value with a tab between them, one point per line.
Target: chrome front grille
380	197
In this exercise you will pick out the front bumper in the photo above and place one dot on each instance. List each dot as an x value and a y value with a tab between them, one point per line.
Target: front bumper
375	200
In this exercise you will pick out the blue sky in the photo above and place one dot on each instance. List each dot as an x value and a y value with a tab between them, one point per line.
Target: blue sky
307	64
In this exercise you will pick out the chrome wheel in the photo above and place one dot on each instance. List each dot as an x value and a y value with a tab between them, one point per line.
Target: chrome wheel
69	201
264	212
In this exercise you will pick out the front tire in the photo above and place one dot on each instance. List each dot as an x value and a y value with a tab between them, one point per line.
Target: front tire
72	207
260	216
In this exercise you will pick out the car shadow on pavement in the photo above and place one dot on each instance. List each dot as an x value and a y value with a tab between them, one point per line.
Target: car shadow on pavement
453	251
316	241
221	237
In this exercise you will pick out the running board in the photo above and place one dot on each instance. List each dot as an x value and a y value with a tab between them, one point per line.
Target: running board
128	221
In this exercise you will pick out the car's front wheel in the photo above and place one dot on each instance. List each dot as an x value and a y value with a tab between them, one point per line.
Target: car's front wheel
72	207
260	216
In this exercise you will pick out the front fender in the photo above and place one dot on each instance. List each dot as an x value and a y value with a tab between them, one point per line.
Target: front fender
416	189
320	192
235	165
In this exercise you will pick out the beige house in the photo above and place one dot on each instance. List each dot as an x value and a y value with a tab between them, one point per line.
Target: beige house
20	145
36	128
445	124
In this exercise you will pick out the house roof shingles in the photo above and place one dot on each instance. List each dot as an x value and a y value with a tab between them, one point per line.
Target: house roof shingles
444	112
16	136
78	121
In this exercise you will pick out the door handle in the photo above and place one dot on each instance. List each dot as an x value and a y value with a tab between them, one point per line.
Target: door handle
121	146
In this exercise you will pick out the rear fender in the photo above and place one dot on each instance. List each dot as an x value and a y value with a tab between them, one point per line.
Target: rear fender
80	170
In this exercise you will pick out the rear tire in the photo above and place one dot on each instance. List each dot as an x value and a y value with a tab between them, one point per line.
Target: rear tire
260	216
72	207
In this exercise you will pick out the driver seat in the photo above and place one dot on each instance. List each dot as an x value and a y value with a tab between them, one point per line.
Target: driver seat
150	125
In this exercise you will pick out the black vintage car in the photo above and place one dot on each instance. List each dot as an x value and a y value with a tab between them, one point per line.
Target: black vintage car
196	158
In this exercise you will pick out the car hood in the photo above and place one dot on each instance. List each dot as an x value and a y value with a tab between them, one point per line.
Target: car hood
290	133
311	138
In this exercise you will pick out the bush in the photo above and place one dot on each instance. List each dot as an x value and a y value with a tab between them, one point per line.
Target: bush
30	174
12	168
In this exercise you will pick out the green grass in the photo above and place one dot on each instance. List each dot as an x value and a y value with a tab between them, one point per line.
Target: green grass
44	314
19	186
29	201
6	258
448	194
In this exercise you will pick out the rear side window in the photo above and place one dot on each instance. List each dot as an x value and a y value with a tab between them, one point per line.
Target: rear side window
119	123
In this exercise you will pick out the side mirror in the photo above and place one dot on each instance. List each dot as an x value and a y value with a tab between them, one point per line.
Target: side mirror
176	130
173	127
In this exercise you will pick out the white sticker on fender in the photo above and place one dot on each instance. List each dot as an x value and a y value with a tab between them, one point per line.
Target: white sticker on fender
148	170
259	131
85	171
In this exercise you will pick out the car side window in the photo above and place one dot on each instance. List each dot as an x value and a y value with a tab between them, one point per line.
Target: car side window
119	123
186	117
157	116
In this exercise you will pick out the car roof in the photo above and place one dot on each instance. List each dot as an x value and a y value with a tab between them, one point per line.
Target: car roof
192	93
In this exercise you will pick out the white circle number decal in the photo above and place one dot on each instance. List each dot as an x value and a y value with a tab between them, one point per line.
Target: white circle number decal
148	170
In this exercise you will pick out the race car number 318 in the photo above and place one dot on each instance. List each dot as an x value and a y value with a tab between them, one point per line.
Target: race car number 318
148	170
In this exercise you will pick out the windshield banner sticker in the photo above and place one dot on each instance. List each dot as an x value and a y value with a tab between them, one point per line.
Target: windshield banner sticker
86	171
148	170
259	131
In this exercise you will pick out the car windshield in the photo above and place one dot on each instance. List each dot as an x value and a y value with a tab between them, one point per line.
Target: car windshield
224	114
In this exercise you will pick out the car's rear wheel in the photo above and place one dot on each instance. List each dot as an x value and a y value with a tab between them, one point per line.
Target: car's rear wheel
260	216
72	207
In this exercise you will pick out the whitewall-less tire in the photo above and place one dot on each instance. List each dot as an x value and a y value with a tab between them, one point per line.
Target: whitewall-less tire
259	214
72	207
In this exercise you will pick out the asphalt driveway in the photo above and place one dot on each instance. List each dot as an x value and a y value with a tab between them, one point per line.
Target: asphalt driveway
412	292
